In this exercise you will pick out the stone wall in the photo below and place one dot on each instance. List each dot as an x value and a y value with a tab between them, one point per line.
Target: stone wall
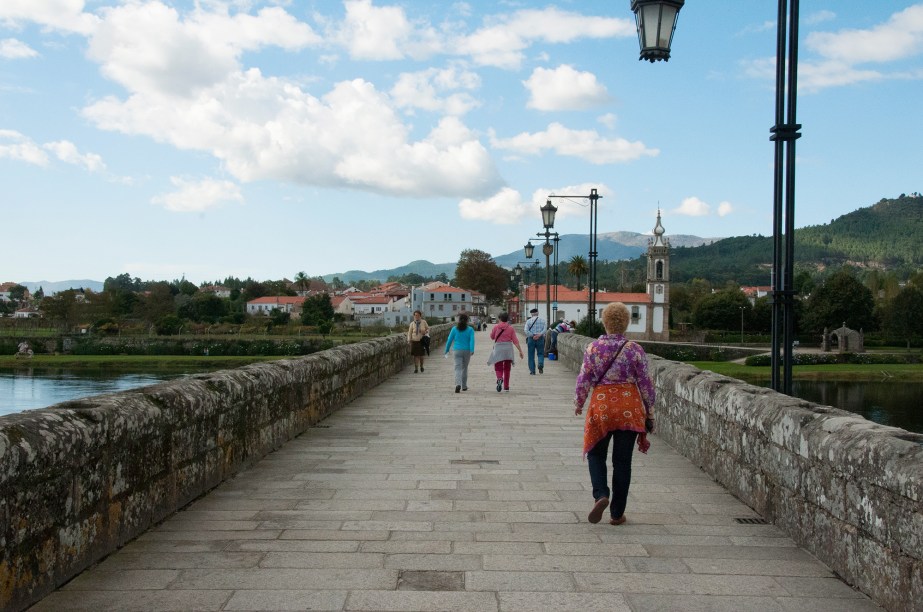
80	479
848	490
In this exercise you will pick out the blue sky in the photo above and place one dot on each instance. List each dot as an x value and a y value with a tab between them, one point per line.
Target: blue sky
262	138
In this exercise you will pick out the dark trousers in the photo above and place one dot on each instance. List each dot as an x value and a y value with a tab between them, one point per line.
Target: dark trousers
623	445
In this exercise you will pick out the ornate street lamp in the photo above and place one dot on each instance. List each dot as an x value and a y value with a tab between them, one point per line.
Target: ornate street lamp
656	22
548	211
529	249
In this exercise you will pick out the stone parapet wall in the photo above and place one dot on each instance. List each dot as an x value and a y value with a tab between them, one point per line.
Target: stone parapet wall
80	479
848	490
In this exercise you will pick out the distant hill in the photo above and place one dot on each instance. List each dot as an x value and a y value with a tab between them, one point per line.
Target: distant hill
613	246
887	235
49	287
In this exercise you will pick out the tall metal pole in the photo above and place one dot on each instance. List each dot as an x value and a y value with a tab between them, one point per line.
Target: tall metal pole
547	248
784	134
592	285
594	200
554	306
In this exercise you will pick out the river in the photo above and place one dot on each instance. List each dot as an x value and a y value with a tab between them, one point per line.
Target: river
35	388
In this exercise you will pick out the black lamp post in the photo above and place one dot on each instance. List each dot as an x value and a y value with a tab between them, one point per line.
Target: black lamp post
548	212
784	134
656	22
592	284
518	275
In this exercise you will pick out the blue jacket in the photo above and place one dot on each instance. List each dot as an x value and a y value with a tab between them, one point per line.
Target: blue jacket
460	340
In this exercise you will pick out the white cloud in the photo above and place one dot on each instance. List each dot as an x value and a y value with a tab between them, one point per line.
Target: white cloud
504	207
373	32
10	48
898	38
607	120
507	205
147	47
502	42
66	15
564	88
16	146
270	128
197	196
569	206
67	152
587	145
819	17
423	90
692	207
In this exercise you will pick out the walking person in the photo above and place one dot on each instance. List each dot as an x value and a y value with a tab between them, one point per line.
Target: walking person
501	357
461	341
615	376
534	329
415	333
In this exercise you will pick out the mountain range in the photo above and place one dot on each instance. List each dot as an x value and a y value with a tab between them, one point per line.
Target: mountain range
612	246
887	235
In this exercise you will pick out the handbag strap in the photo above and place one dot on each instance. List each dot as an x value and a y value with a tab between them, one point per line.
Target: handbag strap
611	361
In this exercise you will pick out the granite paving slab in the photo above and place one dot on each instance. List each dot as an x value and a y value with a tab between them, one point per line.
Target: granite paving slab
414	497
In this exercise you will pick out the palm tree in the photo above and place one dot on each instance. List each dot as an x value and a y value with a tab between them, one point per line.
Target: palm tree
302	282
578	267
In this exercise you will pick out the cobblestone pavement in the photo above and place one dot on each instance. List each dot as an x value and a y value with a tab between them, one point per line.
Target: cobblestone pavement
414	497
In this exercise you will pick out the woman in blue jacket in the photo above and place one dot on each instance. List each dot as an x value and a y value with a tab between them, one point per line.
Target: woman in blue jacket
461	340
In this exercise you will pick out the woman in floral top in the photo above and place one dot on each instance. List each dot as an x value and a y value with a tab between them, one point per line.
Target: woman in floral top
614	376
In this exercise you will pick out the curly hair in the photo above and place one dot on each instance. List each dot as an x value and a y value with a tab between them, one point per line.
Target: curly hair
615	318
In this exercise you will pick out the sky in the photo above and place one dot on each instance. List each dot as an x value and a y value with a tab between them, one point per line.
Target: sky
173	139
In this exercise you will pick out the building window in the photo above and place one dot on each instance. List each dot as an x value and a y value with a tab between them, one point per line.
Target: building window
432	297
440	307
462	297
635	314
447	297
659	273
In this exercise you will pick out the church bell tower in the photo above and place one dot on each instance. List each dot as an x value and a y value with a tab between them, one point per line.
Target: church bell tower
658	284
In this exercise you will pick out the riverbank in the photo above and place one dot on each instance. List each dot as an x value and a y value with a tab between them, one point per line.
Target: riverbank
158	363
909	372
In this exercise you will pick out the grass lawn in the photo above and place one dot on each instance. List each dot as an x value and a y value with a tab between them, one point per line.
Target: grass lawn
131	362
859	371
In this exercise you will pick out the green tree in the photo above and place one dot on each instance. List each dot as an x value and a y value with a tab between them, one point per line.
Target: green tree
302	281
476	270
317	309
157	304
169	325
720	310
204	307
279	317
842	298
18	293
904	315
62	308
577	267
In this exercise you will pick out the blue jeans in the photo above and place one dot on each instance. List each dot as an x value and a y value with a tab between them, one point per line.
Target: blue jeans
536	345
623	445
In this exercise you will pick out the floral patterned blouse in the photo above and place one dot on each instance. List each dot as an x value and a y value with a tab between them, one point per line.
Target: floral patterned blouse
630	366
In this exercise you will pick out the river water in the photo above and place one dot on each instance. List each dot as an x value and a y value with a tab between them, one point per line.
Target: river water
34	388
899	404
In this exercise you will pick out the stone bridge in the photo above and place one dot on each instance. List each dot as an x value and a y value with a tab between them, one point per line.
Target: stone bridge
344	481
